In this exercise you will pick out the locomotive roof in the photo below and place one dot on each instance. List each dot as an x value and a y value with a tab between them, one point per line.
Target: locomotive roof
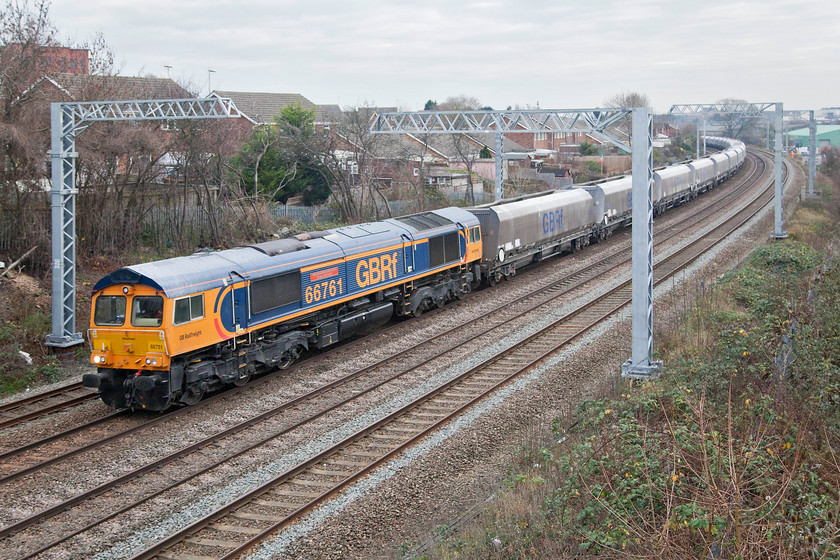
181	276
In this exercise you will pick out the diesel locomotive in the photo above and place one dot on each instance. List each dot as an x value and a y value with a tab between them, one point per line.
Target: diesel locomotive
168	332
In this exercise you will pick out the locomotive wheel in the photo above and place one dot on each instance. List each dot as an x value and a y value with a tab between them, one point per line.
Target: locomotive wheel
290	356
194	394
245	376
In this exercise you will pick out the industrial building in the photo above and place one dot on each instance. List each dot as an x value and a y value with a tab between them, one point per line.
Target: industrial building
827	135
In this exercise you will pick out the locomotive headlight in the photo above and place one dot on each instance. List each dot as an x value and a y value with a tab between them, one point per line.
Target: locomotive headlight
154	361
148	361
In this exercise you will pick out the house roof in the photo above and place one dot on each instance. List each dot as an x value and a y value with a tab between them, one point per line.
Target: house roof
83	87
262	107
327	114
489	139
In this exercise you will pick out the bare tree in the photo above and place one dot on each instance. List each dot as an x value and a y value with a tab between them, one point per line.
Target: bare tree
735	125
24	123
459	103
356	168
625	100
415	160
102	61
116	167
468	152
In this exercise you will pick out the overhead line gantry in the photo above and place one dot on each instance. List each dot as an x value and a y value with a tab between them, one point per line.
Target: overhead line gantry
597	123
67	121
749	110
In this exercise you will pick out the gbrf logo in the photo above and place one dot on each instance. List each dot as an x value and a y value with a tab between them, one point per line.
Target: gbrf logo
552	221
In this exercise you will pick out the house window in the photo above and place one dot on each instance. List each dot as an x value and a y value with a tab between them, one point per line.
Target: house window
188	309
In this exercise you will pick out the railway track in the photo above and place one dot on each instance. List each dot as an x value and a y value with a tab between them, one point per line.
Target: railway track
461	391
239	526
97	433
36	406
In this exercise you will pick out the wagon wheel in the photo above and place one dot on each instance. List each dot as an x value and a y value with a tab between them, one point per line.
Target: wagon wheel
420	308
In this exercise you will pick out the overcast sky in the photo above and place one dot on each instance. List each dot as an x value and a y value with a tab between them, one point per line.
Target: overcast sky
558	53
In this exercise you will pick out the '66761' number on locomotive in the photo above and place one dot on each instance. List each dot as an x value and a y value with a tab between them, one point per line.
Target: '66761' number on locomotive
323	290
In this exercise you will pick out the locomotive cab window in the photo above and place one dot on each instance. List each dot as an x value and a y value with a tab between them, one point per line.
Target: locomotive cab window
146	311
475	234
109	311
188	309
443	249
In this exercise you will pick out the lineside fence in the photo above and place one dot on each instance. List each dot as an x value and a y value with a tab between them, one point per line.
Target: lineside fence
194	222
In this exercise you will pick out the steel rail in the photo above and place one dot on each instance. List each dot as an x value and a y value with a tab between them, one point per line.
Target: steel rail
11	405
47	410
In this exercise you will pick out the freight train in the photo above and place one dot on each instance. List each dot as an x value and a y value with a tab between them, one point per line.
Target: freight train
168	332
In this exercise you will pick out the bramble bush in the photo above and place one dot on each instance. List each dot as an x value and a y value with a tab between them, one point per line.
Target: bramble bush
732	454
